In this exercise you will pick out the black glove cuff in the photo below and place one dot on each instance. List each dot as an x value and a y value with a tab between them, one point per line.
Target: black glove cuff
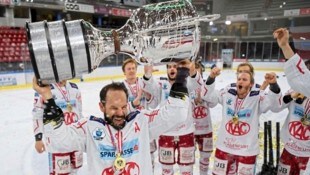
52	114
274	87
287	98
210	81
38	137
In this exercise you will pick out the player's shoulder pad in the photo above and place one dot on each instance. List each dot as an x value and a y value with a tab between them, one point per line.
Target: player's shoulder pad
233	85
132	115
257	86
163	78
254	93
96	119
232	91
73	85
52	86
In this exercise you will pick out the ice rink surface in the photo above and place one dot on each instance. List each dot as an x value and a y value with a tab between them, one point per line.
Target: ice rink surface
18	156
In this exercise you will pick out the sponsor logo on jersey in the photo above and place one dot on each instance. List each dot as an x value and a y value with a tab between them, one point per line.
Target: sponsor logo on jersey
200	112
298	111
63	104
244	113
108	152
98	134
230	112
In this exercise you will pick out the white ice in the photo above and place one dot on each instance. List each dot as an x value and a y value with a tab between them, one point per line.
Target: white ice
17	153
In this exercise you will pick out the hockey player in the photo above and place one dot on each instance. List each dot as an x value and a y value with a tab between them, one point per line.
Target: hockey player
295	134
68	97
298	76
181	137
118	143
203	125
136	95
248	67
237	144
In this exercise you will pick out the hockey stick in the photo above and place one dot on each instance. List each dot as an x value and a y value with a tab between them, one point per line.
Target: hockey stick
278	145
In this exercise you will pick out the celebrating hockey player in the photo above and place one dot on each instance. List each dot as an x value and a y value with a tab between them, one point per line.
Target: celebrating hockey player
298	76
117	143
203	125
68	97
181	137
237	144
139	98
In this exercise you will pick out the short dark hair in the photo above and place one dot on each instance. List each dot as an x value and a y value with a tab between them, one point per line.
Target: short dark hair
116	86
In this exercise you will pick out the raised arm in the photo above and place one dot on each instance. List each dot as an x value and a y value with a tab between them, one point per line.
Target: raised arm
61	137
298	76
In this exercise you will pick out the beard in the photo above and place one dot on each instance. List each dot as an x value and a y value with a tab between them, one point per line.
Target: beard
111	121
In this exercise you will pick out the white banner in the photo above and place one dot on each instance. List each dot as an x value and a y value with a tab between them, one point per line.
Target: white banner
79	7
292	12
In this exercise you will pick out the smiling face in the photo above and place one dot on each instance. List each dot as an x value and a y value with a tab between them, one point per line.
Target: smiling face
244	84
114	106
130	71
172	71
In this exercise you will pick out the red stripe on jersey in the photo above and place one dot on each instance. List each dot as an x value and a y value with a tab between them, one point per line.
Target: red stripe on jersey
298	66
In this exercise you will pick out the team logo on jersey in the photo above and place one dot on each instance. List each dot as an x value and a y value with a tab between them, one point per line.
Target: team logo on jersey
200	112
298	111
237	129
130	168
299	131
98	134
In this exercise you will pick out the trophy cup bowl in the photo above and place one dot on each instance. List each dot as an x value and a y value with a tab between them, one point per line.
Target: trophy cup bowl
154	34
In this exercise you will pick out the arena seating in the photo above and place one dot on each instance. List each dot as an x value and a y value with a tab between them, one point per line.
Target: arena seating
13	44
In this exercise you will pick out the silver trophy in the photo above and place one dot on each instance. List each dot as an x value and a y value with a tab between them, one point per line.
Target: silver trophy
154	34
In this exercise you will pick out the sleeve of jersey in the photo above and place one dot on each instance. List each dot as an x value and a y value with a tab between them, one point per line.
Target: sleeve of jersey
151	86
194	83
209	94
270	101
68	137
163	119
37	114
298	76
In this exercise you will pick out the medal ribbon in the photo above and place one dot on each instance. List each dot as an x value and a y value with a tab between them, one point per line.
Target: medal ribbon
238	106
307	107
119	145
66	97
134	93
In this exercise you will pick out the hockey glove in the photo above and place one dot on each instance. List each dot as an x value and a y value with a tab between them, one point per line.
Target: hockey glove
52	114
179	88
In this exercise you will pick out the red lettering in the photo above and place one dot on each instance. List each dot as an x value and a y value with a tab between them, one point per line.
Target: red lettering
200	112
137	128
70	117
239	129
299	131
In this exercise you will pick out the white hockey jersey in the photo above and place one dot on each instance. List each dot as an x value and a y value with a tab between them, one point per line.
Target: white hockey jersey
133	90
161	90
240	138
297	74
62	96
294	134
201	114
96	138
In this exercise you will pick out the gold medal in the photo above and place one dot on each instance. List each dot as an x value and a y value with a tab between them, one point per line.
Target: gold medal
304	121
69	107
235	119
119	162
